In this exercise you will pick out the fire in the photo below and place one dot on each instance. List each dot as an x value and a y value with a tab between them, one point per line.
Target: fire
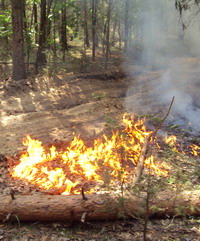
195	150
172	141
76	165
160	171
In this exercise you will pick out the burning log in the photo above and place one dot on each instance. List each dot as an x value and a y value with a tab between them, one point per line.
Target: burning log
95	207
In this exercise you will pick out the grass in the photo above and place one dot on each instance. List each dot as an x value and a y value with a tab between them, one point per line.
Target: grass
99	95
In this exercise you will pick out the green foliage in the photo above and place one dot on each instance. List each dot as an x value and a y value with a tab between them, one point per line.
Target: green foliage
175	126
110	122
180	210
99	95
5	23
29	37
32	1
156	119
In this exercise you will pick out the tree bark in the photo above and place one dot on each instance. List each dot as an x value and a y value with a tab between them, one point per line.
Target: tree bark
114	28
63	30
119	33
35	12
108	34
95	207
19	70
44	33
126	25
41	56
94	23
24	15
86	31
49	20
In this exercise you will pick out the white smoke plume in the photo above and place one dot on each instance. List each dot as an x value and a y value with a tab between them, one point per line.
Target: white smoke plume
172	56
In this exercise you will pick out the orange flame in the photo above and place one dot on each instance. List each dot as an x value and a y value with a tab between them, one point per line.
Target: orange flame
171	140
195	150
77	164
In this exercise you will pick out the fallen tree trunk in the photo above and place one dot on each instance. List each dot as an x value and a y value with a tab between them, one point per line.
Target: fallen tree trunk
94	207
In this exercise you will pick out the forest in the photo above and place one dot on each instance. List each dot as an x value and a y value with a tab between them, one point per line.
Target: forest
48	30
100	120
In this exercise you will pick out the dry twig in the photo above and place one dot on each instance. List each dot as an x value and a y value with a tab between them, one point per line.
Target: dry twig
140	165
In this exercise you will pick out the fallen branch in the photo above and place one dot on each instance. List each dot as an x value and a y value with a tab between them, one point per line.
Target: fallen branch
97	207
162	121
140	165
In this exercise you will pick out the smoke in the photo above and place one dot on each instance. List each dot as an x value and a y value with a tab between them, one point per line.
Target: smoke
186	109
170	58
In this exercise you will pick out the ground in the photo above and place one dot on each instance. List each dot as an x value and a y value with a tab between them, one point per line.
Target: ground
55	108
167	230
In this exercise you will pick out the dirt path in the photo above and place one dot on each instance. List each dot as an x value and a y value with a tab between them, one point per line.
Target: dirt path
54	108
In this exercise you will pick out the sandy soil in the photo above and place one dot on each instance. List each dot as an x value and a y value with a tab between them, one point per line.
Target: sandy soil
54	108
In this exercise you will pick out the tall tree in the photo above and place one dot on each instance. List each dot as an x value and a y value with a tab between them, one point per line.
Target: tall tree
114	23
63	30
41	56
19	70
41	59
86	32
35	15
108	33
49	19
126	25
94	24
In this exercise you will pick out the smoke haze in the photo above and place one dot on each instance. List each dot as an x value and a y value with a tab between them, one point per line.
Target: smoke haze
170	58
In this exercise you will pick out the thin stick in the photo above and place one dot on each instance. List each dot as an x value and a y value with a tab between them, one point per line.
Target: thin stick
162	121
12	194
83	194
140	165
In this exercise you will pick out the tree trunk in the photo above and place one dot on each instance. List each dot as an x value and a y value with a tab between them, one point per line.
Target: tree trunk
108	33
76	30
49	20
41	56
27	38
35	22
44	33
19	69
54	36
119	33
94	23
114	29
95	207
63	31
126	25
86	32
24	15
